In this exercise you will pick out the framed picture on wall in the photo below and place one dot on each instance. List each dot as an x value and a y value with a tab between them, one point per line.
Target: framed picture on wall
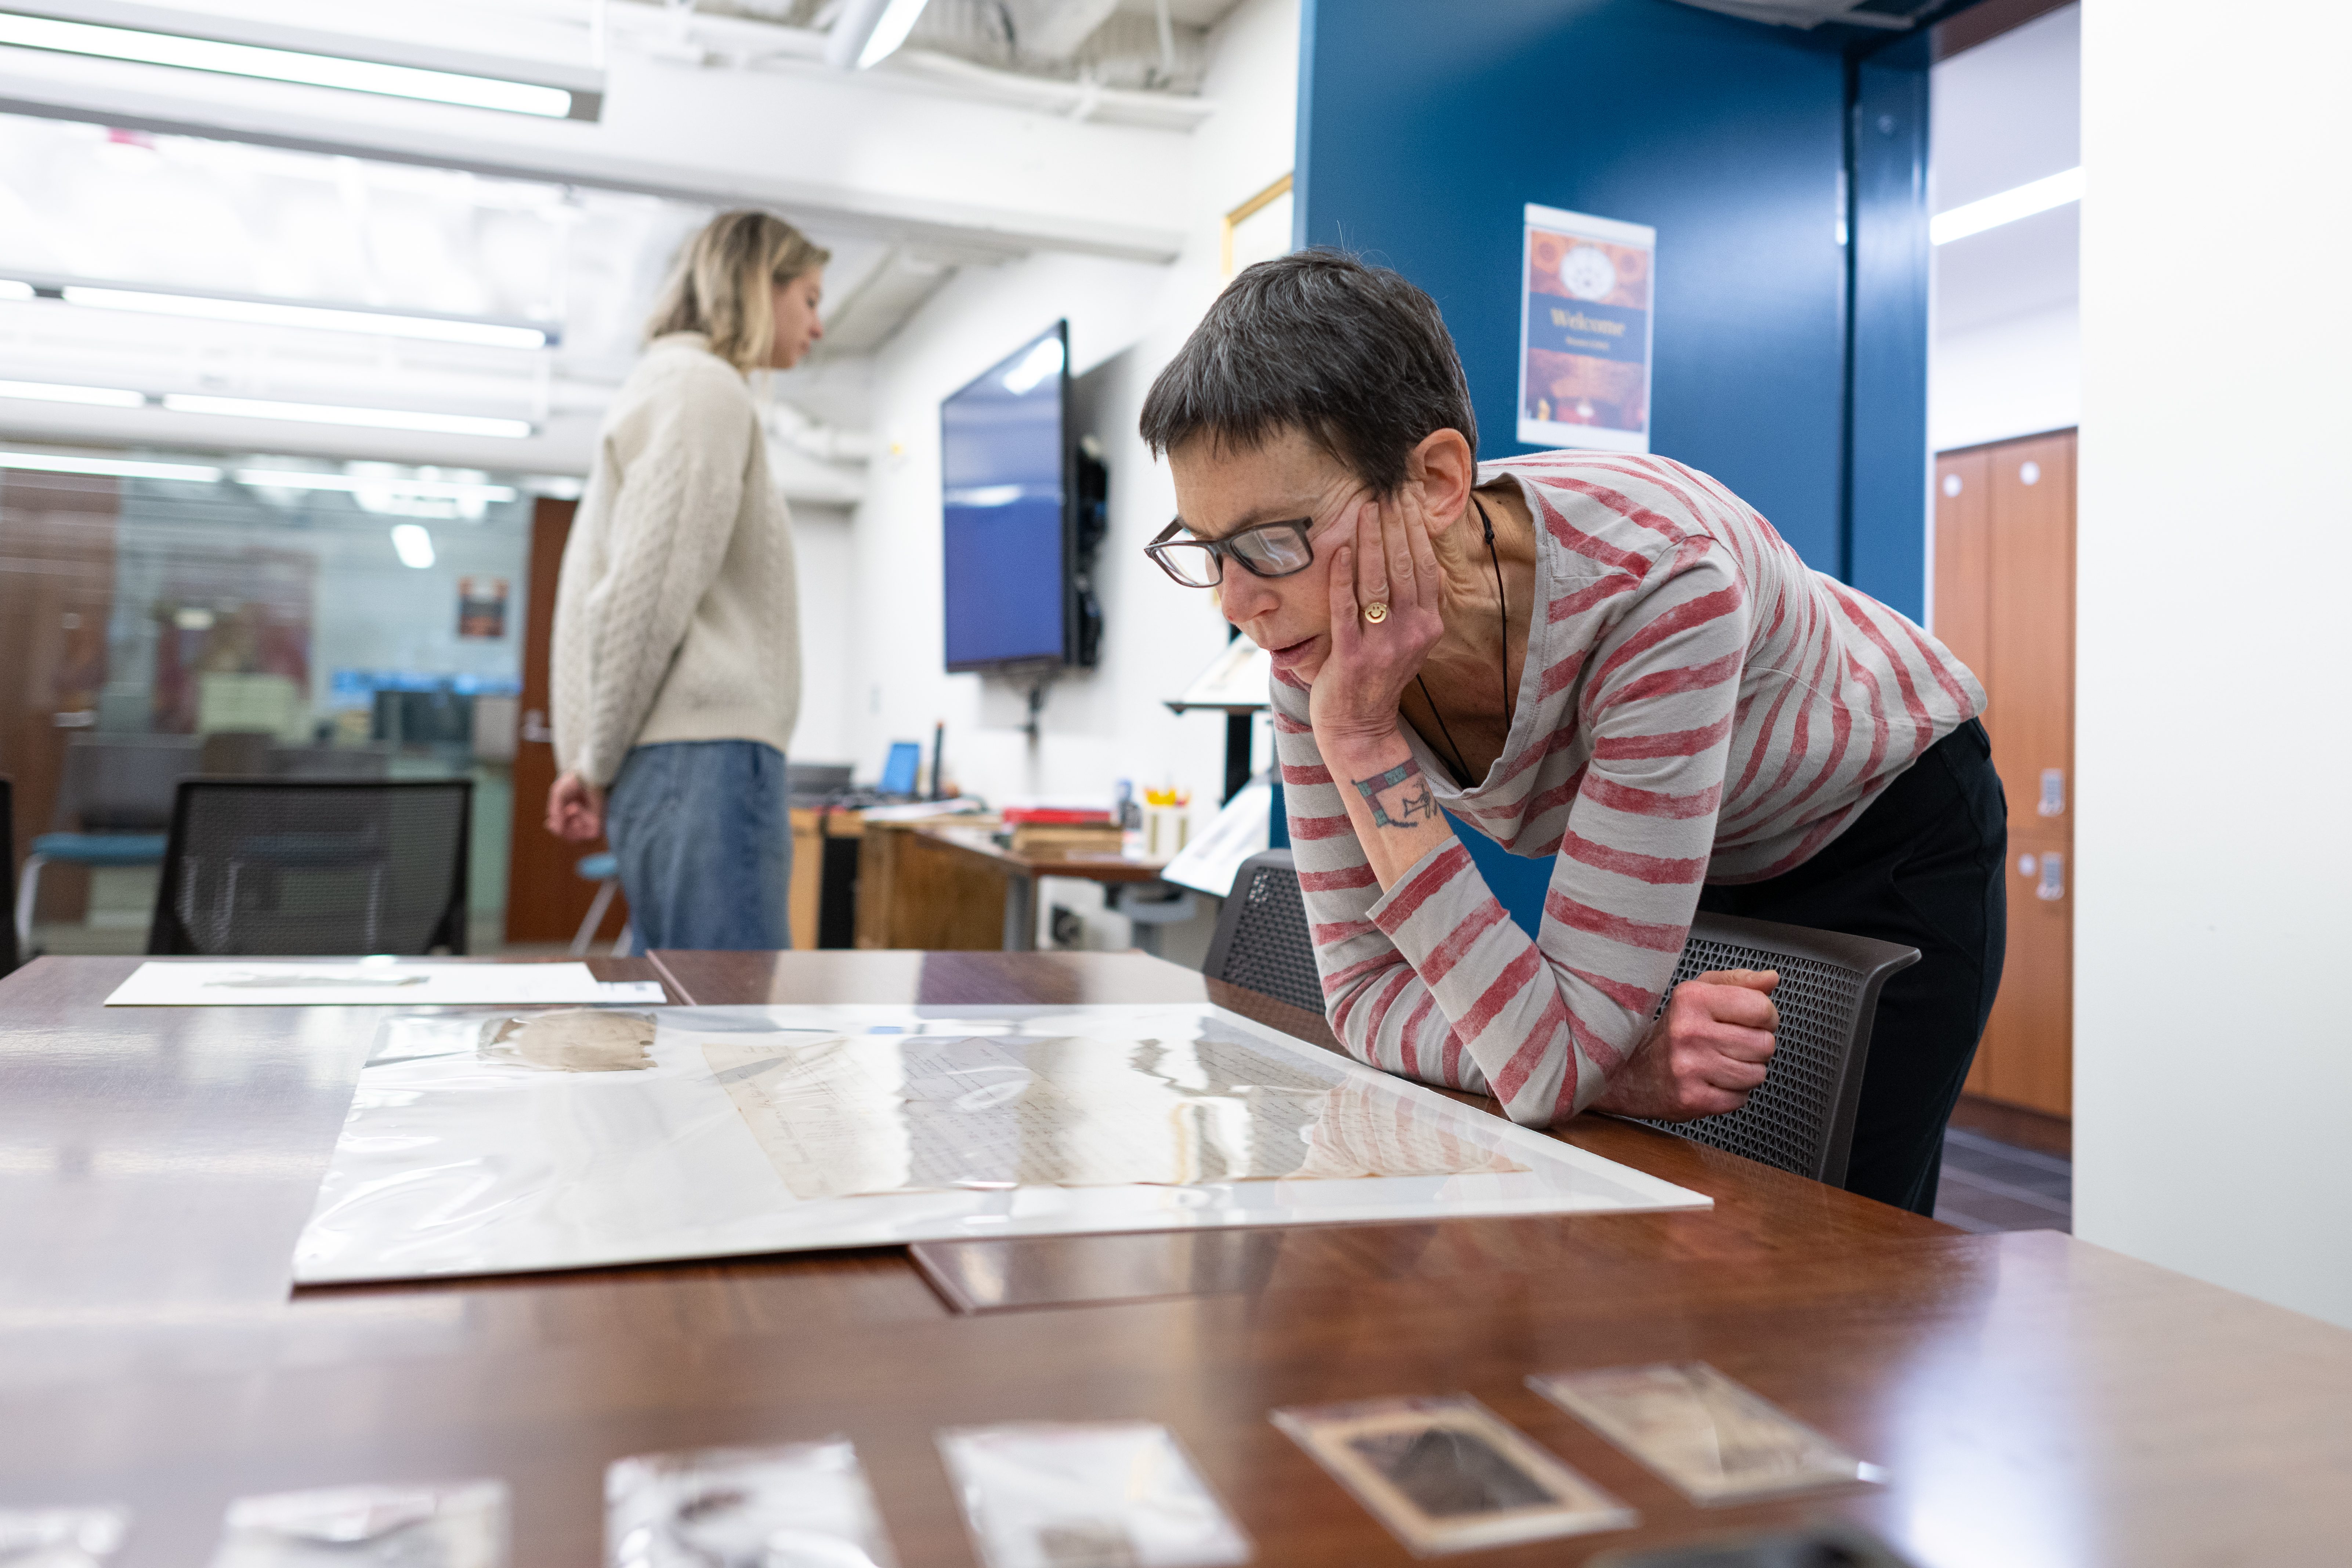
1585	312
1259	229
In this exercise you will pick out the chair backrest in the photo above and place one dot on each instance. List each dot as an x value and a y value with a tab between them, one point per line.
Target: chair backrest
123	783
8	956
1262	943
260	866
1800	1118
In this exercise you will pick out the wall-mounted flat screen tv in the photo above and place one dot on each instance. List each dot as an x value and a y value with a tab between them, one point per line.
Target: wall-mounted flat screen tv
1005	470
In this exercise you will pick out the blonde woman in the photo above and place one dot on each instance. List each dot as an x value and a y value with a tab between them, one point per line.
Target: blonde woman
677	656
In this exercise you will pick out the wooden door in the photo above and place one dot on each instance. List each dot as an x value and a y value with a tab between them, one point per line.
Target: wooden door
546	897
2005	606
57	597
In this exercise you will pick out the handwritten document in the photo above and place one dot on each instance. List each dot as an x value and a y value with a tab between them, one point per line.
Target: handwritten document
846	1115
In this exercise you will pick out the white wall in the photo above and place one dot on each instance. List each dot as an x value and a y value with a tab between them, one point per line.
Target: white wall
1108	723
2213	1048
2014	377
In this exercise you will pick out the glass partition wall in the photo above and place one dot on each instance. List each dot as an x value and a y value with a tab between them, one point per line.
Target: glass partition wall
168	614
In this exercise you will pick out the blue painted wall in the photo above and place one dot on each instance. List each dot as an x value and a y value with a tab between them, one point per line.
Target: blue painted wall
1789	365
1423	130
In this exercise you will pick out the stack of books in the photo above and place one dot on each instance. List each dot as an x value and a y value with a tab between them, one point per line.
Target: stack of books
1060	830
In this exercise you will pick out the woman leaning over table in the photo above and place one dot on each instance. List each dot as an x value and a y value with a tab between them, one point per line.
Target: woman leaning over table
676	657
1606	659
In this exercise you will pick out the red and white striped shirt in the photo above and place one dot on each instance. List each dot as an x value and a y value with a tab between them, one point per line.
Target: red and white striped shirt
1698	705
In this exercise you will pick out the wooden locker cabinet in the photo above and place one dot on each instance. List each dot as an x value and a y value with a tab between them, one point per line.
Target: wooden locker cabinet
2005	606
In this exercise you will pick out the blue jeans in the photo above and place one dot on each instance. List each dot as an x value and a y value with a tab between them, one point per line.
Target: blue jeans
703	831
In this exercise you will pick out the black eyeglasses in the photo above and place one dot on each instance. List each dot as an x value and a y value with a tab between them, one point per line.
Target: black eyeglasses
1264	550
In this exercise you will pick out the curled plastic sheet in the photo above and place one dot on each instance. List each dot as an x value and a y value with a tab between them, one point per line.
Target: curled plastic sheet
61	1537
1711	1438
1099	1494
460	1524
803	1505
1449	1475
498	1143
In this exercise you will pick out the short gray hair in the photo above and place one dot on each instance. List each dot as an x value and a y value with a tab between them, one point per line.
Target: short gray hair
1351	357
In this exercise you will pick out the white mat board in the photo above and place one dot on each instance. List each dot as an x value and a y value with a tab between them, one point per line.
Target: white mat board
366	982
752	1129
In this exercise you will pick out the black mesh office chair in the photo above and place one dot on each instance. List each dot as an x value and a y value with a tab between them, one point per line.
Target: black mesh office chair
1262	943
1801	1119
262	866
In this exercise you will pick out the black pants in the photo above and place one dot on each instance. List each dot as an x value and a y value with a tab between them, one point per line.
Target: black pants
1922	867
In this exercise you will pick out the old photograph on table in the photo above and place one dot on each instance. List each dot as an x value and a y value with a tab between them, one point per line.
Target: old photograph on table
1449	1475
781	1507
501	1141
460	1524
1708	1436
1090	1494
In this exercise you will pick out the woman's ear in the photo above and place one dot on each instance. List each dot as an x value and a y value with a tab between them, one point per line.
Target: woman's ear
1445	471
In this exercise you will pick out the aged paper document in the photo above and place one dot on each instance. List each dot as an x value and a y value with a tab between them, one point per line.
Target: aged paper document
852	1114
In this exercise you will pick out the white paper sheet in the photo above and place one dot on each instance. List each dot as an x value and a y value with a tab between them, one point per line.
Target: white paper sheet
346	982
749	1129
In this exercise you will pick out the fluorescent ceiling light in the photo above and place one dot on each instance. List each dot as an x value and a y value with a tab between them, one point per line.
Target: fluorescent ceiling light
297	480
144	47
11	289
2006	206
868	32
325	414
414	544
259	312
1039	362
107	468
48	391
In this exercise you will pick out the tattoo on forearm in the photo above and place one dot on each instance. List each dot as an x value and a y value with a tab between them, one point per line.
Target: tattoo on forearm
1399	797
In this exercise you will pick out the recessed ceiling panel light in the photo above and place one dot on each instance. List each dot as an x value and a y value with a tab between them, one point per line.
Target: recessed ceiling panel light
107	468
297	480
143	46
48	391
2006	206
413	544
261	313
327	414
11	289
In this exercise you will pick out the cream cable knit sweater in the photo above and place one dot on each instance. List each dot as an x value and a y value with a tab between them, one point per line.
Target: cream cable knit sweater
676	615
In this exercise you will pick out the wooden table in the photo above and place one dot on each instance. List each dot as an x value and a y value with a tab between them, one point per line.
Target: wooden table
2037	1401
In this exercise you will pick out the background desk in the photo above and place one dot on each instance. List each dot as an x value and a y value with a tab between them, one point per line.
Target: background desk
948	886
2038	1401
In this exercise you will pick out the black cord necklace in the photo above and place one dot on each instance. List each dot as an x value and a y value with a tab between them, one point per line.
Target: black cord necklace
1460	768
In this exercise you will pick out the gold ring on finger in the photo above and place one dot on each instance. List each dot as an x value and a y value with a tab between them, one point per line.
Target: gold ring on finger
1376	612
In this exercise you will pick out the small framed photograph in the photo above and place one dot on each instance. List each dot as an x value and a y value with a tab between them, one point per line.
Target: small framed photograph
1448	1475
1712	1440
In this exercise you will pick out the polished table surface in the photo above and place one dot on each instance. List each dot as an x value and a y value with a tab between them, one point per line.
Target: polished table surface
2036	1400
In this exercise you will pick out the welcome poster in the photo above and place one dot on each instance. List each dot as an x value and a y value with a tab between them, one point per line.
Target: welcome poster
1584	332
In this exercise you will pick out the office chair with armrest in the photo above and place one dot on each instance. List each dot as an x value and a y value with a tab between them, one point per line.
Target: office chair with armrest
315	866
114	805
1801	1119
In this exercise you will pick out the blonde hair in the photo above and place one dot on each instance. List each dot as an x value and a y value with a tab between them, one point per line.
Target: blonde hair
723	284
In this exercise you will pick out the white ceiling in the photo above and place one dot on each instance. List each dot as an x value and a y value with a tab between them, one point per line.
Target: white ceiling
2005	113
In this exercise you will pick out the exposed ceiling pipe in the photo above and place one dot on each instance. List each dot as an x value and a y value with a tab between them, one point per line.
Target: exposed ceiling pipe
721	40
868	32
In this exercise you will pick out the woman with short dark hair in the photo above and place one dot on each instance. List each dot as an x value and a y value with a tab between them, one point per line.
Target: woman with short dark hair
1604	657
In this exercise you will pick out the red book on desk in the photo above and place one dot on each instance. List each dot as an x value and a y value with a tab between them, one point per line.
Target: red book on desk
1060	816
